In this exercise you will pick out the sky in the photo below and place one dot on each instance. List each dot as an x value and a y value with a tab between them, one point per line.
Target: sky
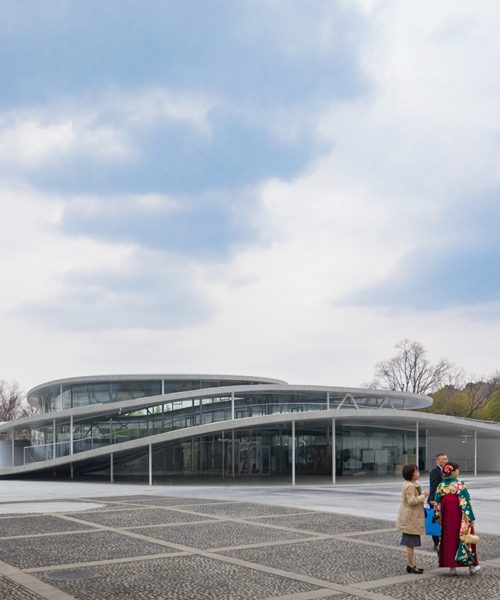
265	187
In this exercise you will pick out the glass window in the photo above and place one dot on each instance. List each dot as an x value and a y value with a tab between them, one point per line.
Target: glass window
130	390
93	393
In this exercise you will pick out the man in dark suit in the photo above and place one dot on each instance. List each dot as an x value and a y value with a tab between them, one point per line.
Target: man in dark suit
435	477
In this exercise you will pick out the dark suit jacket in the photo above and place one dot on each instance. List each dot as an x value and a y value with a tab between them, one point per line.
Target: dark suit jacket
435	478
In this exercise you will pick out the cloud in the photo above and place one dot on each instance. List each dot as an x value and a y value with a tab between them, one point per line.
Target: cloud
101	129
287	193
80	283
147	290
30	141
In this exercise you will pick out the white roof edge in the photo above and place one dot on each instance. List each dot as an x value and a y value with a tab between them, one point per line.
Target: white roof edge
148	376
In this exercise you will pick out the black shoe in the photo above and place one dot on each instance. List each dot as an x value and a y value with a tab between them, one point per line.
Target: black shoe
415	570
436	548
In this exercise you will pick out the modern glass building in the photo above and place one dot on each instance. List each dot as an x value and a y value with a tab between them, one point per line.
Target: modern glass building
169	428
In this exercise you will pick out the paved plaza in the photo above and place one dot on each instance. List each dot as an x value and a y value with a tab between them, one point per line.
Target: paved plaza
64	541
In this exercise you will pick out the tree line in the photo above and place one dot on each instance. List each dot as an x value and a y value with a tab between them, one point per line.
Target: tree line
454	392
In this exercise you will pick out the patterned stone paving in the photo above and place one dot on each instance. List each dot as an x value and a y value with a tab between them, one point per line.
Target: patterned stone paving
218	534
482	587
332	560
160	501
488	547
75	548
330	523
193	577
138	516
242	510
195	549
31	525
9	590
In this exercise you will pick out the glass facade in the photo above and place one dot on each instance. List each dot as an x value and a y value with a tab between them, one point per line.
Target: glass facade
249	431
75	395
374	450
267	452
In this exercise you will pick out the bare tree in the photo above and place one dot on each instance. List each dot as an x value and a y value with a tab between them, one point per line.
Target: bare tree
13	404
411	371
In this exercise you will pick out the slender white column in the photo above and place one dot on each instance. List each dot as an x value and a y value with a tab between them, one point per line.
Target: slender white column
427	449
293	452
71	471
111	475
223	453
54	433
150	464
416	444
232	406
334	454
327	400
232	453
71	450
475	453
13	440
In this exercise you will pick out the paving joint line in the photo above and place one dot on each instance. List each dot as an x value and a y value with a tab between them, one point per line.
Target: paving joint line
109	561
247	564
214	518
33	584
313	595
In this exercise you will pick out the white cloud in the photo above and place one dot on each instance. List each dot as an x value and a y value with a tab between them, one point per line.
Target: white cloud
101	129
401	158
150	106
35	256
32	140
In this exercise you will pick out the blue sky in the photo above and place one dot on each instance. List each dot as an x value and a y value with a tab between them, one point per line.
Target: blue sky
284	189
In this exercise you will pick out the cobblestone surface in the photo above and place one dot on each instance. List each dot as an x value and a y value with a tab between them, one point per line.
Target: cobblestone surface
332	560
329	523
30	525
218	534
77	548
242	510
484	586
9	590
181	578
159	501
138	516
488	547
274	567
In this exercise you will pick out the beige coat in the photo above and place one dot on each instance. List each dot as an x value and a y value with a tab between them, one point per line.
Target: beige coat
411	517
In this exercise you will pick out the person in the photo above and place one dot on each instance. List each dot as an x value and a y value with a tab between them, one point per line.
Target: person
453	510
411	517
435	478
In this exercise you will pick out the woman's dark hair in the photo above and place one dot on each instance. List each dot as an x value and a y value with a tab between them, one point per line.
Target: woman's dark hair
449	467
408	471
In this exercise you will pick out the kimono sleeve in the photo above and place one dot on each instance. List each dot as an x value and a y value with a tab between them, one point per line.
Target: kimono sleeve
465	504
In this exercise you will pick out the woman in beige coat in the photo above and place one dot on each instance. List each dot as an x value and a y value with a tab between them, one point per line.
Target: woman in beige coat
411	517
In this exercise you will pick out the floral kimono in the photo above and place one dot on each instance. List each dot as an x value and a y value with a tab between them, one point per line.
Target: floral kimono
453	511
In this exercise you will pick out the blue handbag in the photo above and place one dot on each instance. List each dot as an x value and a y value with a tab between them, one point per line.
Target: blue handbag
430	527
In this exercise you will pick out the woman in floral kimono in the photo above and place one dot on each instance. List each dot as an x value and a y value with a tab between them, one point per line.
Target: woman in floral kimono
453	511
